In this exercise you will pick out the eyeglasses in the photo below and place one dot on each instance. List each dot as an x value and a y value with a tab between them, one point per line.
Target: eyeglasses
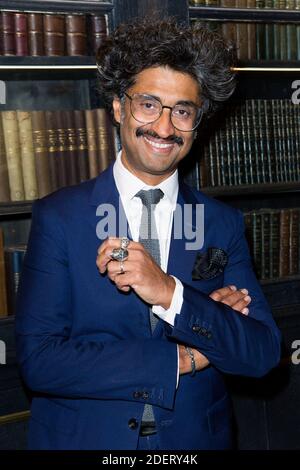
184	116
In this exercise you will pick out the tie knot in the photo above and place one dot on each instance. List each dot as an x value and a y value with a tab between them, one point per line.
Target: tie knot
150	197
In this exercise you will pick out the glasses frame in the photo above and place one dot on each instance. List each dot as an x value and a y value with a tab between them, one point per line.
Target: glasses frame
200	109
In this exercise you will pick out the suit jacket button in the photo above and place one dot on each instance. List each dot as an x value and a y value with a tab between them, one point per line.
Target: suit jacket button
203	331
136	394
196	328
132	423
208	335
145	395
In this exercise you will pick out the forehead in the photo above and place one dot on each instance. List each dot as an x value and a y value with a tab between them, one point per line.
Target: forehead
167	84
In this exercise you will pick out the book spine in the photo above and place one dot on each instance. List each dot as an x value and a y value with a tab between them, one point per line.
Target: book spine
98	29
76	35
27	155
36	34
284	256
8	35
71	147
3	295
91	129
61	155
82	145
41	152
21	34
51	139
13	155
4	185
14	257
54	34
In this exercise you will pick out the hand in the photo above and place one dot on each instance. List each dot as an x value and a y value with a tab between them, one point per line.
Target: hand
238	299
185	366
141	273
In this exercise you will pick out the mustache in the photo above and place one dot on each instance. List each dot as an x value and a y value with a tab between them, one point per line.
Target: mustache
171	138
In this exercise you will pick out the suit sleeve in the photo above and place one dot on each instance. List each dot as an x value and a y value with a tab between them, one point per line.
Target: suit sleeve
233	343
54	362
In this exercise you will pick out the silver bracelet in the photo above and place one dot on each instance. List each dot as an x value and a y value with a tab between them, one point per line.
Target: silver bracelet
192	357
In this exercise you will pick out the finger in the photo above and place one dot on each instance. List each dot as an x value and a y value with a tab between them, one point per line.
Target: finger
241	305
112	242
123	281
223	292
114	268
233	298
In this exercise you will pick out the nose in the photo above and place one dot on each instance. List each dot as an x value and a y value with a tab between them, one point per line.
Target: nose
163	125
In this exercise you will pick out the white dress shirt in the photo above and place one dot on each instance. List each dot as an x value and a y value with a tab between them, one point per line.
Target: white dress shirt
128	186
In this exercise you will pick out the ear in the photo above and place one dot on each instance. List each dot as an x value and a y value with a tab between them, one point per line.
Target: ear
117	109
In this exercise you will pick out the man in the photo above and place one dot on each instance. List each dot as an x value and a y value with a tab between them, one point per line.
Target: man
129	352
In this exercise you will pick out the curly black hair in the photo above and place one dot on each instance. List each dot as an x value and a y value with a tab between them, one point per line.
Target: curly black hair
149	42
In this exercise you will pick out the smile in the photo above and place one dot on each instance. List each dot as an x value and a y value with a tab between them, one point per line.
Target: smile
157	145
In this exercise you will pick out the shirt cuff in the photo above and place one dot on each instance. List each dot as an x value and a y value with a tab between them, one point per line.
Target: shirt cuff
175	307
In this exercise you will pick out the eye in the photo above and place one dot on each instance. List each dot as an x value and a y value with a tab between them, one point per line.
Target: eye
182	112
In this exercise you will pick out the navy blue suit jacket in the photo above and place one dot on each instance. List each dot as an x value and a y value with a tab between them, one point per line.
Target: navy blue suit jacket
85	348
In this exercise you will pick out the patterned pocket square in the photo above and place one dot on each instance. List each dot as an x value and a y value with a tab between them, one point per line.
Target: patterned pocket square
209	264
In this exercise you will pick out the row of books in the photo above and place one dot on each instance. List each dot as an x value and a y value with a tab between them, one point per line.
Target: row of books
274	239
41	151
256	141
49	34
275	4
11	261
260	41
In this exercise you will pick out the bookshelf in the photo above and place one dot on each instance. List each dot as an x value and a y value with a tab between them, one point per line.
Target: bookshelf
264	417
48	84
33	83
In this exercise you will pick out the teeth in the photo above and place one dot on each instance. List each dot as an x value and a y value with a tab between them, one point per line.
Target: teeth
157	145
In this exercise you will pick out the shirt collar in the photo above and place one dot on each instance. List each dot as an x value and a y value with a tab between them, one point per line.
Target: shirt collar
128	184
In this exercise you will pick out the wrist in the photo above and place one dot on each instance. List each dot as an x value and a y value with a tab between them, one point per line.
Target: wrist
168	292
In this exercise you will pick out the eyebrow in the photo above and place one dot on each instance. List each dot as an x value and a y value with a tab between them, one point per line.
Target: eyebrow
186	102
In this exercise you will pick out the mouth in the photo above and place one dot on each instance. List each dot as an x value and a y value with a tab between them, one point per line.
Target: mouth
157	145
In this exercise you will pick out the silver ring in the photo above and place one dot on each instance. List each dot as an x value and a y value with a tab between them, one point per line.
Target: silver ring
119	254
122	270
124	243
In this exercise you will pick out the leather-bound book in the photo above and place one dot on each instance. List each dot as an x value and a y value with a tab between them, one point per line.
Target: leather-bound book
284	243
104	136
76	35
52	144
21	33
8	33
54	34
91	129
61	148
4	185
13	256
27	155
41	152
3	297
82	146
98	32
71	147
35	34
13	155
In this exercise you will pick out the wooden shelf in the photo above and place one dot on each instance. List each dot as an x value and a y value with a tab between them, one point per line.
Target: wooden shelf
13	208
263	188
255	15
87	6
47	63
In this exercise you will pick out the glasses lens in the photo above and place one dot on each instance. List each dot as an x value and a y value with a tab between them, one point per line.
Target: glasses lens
186	117
145	108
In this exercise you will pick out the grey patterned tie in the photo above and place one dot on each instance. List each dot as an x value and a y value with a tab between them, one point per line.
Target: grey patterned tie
148	237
